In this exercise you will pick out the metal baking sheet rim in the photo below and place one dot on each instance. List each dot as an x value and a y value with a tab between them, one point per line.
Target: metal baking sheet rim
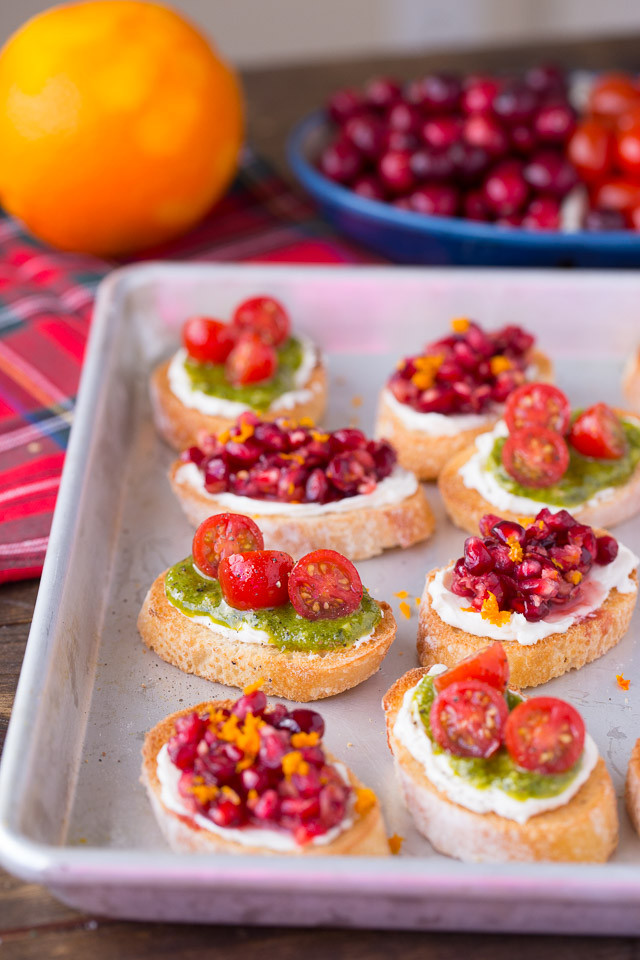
337	890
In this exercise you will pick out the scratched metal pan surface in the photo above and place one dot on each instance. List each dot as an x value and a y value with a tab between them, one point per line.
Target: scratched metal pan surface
72	812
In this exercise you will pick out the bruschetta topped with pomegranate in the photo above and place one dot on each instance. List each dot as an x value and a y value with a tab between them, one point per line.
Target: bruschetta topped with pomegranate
253	362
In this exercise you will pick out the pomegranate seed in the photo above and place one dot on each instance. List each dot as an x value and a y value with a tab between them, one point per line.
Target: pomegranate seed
193	455
267	806
347	439
607	550
308	721
476	556
255	702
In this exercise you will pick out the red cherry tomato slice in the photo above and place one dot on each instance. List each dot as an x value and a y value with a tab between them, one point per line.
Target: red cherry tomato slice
220	536
591	149
468	719
535	457
598	432
621	195
489	666
255	580
544	735
613	94
628	149
208	340
324	585
251	360
538	405
264	316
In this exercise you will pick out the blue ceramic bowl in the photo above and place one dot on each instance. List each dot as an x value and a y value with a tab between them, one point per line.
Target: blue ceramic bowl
408	237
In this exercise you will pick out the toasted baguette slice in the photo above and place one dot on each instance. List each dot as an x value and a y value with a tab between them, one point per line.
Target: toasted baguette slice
631	382
426	455
365	838
466	506
358	534
180	425
584	830
195	648
632	787
529	666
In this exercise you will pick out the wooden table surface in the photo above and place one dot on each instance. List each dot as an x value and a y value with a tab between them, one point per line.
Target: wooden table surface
32	923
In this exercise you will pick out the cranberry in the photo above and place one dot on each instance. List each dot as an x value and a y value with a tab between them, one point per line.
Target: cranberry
543	213
607	549
470	163
535	609
486	132
366	133
475	207
487	523
405	118
215	474
583	536
395	171
515	104
529	569
476	556
307	784
507	531
384	458
340	161
218	768
435	93
427	164
344	104
351	471
193	455
370	187
522	138
300	808
253	778
267	806
273	747
549	172
382	92
243	454
439	133
254	702
505	189
317	487
545	79
308	721
435	199
271	437
275	714
554	123
596	220
402	203
401	140
478	94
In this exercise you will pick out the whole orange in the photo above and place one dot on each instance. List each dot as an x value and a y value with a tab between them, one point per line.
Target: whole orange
119	125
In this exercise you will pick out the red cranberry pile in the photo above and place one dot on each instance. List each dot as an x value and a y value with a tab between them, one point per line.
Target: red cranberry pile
291	463
259	766
481	147
466	372
531	570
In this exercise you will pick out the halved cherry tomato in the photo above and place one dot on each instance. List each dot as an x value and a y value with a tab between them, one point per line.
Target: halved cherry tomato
613	94
264	316
538	405
255	580
251	360
468	719
220	536
208	340
489	666
535	457
544	735
628	149
620	195
598	432
591	149
324	585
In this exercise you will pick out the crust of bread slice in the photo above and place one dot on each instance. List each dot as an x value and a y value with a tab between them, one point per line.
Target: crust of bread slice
195	648
631	382
583	830
365	838
632	787
358	534
180	425
426	455
466	506
531	665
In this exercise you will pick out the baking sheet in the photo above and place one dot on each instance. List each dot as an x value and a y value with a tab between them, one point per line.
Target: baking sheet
72	813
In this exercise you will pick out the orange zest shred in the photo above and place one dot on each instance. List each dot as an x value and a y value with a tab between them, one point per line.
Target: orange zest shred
515	550
365	800
252	687
225	436
230	794
402	594
306	422
356	401
252	794
491	611
460	324
418	601
320	437
292	762
622	683
427	367
405	609
246	431
499	364
204	793
526	521
575	577
395	844
305	739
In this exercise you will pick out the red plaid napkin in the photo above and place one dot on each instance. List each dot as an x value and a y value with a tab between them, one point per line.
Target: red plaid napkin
46	299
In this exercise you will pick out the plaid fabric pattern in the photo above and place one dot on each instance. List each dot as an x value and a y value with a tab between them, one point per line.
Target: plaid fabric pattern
46	300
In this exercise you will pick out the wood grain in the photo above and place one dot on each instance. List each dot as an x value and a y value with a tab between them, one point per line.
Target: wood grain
32	923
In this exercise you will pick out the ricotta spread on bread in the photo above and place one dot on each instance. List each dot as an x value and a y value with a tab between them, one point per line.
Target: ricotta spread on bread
410	732
599	582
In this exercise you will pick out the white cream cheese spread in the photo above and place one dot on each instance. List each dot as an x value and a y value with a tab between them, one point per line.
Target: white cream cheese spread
437	424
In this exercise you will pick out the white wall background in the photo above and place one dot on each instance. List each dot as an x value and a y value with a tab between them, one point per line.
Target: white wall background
257	32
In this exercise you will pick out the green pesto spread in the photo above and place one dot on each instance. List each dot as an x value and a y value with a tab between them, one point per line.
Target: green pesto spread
499	770
195	596
585	476
210	378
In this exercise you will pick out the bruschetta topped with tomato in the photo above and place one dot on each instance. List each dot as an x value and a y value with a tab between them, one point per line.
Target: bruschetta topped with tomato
233	612
252	362
438	401
489	775
543	454
555	592
308	488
